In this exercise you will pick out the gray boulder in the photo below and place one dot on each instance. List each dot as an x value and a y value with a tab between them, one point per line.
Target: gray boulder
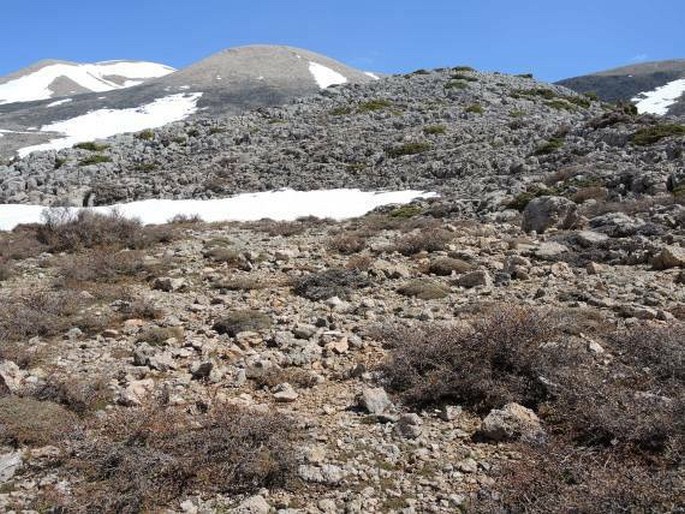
547	212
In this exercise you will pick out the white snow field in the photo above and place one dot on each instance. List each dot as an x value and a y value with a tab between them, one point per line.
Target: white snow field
325	76
282	205
660	99
95	77
109	122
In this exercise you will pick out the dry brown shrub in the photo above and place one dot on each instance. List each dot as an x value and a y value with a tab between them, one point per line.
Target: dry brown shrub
64	231
80	395
322	285
561	479
348	243
157	336
20	243
297	377
41	313
590	193
499	359
33	422
359	262
104	264
423	241
141	461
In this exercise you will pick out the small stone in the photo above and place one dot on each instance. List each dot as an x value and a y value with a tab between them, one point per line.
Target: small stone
468	465
595	347
339	347
169	285
450	412
285	393
253	505
10	463
409	426
512	422
201	370
593	268
374	400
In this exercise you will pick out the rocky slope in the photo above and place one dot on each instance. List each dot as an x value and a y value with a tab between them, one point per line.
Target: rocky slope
223	317
656	87
229	82
482	139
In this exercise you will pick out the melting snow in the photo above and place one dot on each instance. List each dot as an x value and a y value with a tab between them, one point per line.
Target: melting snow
660	99
324	76
278	205
109	122
59	102
94	77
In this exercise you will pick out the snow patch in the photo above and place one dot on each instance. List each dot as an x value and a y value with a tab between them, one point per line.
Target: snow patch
660	99
286	205
93	77
325	76
59	102
109	122
372	75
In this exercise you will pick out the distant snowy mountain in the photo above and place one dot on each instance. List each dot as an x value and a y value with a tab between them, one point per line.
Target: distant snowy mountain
654	87
53	79
54	105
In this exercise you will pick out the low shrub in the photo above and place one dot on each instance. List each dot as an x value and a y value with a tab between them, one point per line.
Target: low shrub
157	336
95	159
475	109
407	149
550	146
142	461
433	130
232	323
145	135
64	231
329	283
459	69
560	479
374	105
33	422
424	290
499	359
91	146
102	265
445	266
423	241
654	134
80	396
40	313
347	243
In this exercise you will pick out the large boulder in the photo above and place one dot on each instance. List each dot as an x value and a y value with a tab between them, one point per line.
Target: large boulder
547	212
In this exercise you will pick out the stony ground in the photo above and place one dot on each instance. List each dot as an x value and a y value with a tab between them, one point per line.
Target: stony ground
147	337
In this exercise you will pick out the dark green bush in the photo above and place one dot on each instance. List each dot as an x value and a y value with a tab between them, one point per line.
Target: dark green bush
475	109
408	149
374	105
550	146
95	159
654	134
332	282
234	322
434	129
91	146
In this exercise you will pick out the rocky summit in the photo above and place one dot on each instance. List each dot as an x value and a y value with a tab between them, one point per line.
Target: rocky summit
513	344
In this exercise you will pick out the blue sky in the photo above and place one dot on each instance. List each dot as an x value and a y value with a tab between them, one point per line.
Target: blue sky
554	40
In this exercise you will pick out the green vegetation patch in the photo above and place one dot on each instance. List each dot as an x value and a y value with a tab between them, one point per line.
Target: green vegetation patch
434	129
374	105
408	149
550	146
475	109
95	159
654	134
91	146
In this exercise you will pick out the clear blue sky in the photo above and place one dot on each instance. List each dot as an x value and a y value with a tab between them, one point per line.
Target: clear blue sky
552	39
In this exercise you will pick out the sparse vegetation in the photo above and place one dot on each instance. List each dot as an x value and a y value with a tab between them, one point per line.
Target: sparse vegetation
550	146
330	283
433	130
408	149
374	105
92	146
475	109
423	241
145	135
424	290
95	159
655	133
232	323
26	421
